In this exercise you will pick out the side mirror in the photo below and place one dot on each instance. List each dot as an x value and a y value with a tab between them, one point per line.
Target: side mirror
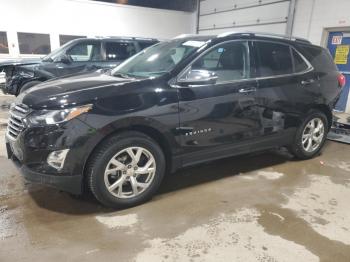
198	77
104	70
65	59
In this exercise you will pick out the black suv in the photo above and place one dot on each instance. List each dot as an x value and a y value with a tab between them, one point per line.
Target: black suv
79	55
175	104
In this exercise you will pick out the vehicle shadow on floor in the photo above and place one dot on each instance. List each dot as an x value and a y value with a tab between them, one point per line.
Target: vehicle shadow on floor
223	168
61	202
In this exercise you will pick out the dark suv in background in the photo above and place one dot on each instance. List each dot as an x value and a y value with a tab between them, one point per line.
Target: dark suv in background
79	55
175	104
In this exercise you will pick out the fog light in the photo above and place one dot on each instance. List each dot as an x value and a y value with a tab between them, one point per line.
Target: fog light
56	158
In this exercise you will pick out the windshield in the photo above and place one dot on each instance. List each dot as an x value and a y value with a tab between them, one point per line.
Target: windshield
56	53
158	59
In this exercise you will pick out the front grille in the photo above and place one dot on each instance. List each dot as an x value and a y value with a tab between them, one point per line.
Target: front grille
2	79
15	124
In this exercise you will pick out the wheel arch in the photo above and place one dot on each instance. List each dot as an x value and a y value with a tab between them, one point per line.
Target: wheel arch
159	137
327	111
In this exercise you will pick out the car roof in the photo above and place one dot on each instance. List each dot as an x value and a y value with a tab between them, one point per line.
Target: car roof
244	35
145	39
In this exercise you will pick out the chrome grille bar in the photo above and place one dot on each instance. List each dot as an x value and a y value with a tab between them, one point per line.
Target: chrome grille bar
15	123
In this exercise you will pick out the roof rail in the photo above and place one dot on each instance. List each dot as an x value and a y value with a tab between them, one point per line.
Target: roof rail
292	38
126	38
145	38
184	35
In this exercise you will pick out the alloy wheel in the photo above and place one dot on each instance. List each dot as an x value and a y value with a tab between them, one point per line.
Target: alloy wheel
130	172
313	135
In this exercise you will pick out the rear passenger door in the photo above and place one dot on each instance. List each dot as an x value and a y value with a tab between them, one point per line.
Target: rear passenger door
286	86
118	51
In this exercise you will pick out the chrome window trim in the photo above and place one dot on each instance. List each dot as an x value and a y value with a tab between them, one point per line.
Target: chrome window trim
310	68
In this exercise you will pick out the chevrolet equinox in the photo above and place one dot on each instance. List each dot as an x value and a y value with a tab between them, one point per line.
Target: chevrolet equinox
178	103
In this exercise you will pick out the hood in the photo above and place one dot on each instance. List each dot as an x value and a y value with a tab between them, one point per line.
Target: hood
20	61
76	90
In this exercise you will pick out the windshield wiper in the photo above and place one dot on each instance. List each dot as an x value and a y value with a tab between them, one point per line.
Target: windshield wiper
158	73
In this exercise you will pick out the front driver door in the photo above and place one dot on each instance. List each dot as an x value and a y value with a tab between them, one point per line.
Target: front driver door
84	56
221	118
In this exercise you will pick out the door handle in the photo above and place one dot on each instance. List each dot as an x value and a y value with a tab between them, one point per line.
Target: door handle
308	82
247	90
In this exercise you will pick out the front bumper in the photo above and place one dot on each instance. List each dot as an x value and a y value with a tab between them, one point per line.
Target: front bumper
29	152
71	184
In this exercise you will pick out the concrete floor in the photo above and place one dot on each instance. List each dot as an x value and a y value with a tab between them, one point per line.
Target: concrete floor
261	207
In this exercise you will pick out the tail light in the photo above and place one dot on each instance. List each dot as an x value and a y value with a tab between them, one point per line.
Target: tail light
341	80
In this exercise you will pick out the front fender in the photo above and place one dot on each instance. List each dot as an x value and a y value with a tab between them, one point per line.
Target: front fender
163	135
143	122
18	76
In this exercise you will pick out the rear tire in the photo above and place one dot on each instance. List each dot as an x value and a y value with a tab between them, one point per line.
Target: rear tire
126	170
28	85
310	136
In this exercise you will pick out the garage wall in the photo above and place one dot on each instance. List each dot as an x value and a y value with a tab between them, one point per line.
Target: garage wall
243	15
88	18
312	17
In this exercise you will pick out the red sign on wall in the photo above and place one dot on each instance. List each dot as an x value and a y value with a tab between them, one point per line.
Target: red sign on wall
337	39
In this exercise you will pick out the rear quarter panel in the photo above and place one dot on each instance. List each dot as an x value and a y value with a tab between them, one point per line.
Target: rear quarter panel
325	70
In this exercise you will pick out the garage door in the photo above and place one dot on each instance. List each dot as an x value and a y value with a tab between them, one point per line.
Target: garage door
271	16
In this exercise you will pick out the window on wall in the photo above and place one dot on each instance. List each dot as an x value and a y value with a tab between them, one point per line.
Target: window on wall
119	50
36	44
274	59
4	48
66	38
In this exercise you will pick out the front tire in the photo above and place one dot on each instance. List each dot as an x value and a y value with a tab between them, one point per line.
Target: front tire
126	170
310	136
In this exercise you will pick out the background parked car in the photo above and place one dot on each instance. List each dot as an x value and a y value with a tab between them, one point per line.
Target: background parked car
79	55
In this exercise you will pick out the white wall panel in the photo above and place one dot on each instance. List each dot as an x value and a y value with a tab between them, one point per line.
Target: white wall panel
89	18
277	28
312	17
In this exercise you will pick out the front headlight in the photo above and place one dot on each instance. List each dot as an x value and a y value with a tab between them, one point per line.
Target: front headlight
51	117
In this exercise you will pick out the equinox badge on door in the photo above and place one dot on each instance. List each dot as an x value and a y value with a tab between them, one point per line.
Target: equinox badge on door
197	132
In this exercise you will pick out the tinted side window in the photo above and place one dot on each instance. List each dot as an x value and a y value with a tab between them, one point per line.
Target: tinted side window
320	58
299	63
34	43
119	50
145	44
4	49
83	52
229	61
273	59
